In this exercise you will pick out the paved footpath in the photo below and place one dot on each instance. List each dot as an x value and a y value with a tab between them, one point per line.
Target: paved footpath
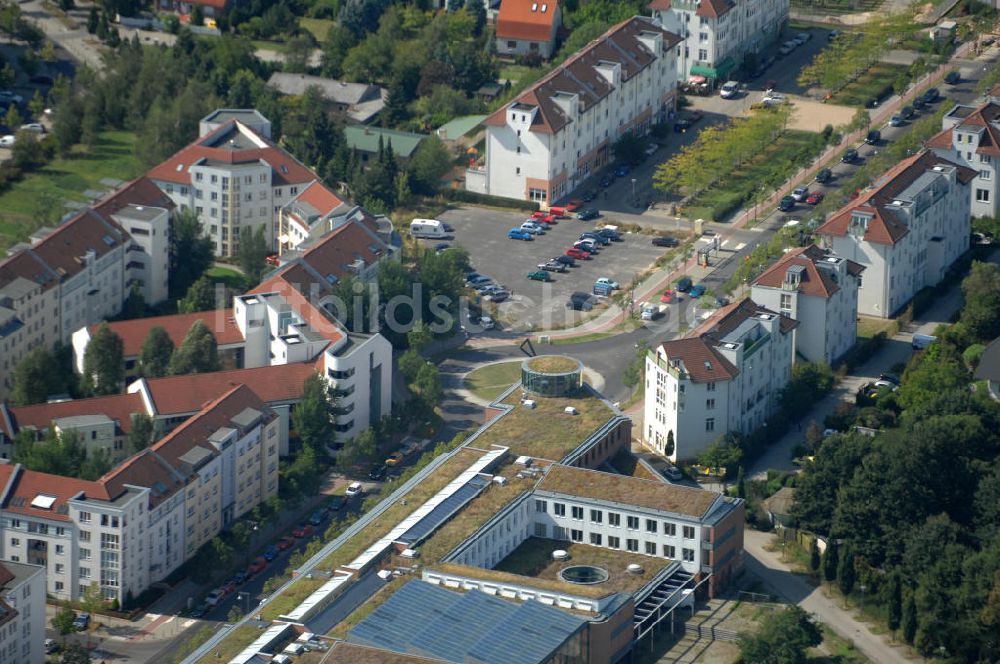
767	565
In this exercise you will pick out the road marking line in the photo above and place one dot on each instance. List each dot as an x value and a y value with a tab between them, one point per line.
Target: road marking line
739	246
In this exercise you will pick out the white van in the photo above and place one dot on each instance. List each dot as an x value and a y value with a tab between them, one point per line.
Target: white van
729	89
431	228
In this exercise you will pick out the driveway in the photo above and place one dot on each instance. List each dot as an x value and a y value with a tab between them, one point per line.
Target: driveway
793	588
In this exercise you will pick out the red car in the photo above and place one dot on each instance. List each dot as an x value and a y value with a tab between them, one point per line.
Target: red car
668	296
815	198
257	565
285	543
305	530
578	254
574	205
228	588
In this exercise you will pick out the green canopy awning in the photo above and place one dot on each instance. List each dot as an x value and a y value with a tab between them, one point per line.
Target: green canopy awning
718	72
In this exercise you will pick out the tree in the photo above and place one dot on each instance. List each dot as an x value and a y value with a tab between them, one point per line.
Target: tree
814	558
784	637
154	357
419	336
92	19
141	435
75	654
13	118
91	601
198	353
36	378
197	15
894	601
251	255
429	163
846	574
360	448
135	303
669	448
428	385
190	252
741	489
67	5
629	149
103	363
981	312
62	622
410	363
830	561
37	104
234	614
313	415
810	381
395	110
201	296
909	618
478	11
48	52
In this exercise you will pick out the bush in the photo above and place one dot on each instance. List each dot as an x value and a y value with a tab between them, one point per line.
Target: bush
464	196
727	206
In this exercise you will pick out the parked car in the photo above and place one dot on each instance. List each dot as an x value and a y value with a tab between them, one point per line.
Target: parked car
211	599
552	266
7	98
815	198
824	176
7	141
890	378
665	241
518	234
897	120
788	47
669	296
596	237
257	566
486	323
51	646
578	254
533	228
441	246
850	156
800	193
587	214
498	295
697	291
672	474
573	205
42	79
317	517
581	301
477	279
394	459
587	197
803	37
684	284
544	218
588	245
565	259
621	171
610	233
198	611
786	203
729	90
931	95
952	78
539	275
681	125
919	104
354	489
605	182
721	301
873	137
33	127
335	503
270	553
907	112
605	281
285	543
377	472
81	621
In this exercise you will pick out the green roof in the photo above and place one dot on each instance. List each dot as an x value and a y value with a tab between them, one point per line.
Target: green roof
459	127
365	139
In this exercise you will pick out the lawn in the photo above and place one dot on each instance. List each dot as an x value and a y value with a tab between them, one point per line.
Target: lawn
835	6
490	381
518	73
226	276
869	327
232	645
317	26
775	163
38	199
876	83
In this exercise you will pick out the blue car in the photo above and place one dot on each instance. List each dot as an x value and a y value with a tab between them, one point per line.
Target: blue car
621	171
270	553
697	291
518	234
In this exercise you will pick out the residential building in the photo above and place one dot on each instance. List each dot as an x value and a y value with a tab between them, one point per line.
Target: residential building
906	230
346	241
359	102
211	9
140	521
818	289
22	613
365	140
235	179
724	376
562	129
988	368
82	271
527	27
970	137
719	35
249	117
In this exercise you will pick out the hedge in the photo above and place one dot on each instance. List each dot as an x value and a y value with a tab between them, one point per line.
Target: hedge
465	196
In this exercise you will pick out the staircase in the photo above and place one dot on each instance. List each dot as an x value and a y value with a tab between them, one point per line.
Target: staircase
655	606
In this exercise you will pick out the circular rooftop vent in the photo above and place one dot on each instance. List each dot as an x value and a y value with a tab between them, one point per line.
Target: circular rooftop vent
585	575
634	568
560	554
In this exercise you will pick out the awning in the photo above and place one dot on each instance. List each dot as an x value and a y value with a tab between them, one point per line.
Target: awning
703	71
718	72
697	79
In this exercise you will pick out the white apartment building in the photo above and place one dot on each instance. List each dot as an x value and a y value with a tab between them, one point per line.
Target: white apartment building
724	376
234	178
905	231
81	271
719	34
820	291
22	613
145	517
562	129
971	138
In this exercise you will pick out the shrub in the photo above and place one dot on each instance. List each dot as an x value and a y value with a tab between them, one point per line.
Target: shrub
464	196
727	206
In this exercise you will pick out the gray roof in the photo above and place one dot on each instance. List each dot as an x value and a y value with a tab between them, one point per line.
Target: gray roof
361	98
247	116
247	418
423	619
989	363
18	288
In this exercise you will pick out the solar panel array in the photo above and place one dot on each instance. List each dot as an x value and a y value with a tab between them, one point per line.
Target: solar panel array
444	511
423	619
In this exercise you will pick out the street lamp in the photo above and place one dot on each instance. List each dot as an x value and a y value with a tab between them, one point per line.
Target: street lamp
862	588
634	200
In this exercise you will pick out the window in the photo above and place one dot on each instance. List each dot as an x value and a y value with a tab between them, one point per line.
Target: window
710	424
688	532
710	387
576	535
577	513
786	302
985	175
651	525
651	548
669	551
84	517
709	404
536	194
688	555
984	158
702	37
559	509
614	519
511	44
596	516
541	506
60	549
595	539
59	586
84	554
559	533
982	195
632	545
632	522
702	54
60	568
517	171
541	530
670	529
15	541
84	536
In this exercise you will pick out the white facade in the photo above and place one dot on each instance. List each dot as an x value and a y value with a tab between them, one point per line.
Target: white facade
360	372
719	34
562	130
821	292
93	294
22	614
907	232
147	257
971	137
726	379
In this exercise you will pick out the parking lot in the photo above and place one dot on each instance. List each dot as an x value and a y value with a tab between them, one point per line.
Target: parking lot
536	304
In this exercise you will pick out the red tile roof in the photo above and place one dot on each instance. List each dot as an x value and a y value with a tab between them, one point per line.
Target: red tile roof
814	281
145	469
118	407
577	75
333	254
320	198
284	168
178	395
318	319
140	191
529	20
26	485
134	332
985	118
659	5
714	8
884	226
